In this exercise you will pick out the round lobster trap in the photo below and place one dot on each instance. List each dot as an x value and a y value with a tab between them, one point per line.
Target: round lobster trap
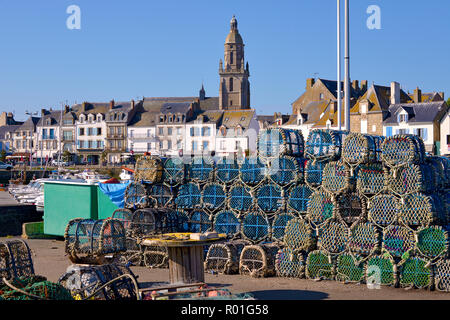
350	208
400	150
421	210
189	196
270	197
252	171
89	241
227	170
333	237
136	196
240	198
415	272
411	178
256	227
258	260
181	220
155	256
319	265
361	148
320	207
227	222
275	142
286	170
33	288
149	169
398	240
161	194
364	239
314	173
213	196
279	224
349	268
298	198
337	179
432	242
381	270
223	258
201	169
174	170
440	165
200	221
289	263
324	145
15	260
442	275
299	236
84	281
124	216
383	209
370	179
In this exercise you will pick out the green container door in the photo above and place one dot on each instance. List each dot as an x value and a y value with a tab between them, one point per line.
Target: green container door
105	206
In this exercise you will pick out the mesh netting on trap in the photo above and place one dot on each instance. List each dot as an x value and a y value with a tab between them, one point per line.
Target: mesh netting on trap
189	196
320	207
350	208
361	148
324	145
364	239
162	194
223	258
415	272
200	221
275	142
227	170
441	166
290	263
149	221
252	171
279	224
411	178
349	268
299	236
258	260
136	196
398	240
15	260
32	287
155	256
123	215
201	169
213	196
432	242
314	173
181	219
88	240
227	222
442	275
285	170
381	270
240	198
337	179
299	197
84	280
383	209
333	237
319	265
402	149
149	169
418	209
370	179
270	197
133	255
256	227
174	170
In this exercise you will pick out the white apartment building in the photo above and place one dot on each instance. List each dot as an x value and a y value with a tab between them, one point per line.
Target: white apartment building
200	134
445	134
90	128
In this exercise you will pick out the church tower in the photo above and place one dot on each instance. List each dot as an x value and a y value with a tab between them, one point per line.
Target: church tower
234	88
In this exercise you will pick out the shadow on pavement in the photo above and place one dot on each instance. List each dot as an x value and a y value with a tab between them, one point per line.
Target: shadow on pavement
289	295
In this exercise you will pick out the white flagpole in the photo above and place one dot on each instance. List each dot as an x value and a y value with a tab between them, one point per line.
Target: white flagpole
339	108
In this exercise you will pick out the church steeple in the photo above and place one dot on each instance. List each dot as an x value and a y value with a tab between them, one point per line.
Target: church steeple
202	93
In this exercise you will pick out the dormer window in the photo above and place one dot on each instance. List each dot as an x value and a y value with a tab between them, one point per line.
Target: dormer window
161	119
402	117
48	122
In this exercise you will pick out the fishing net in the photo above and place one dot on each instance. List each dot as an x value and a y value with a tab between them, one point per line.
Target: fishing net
200	221
350	208
299	235
228	223
84	280
88	240
442	275
432	242
411	178
279	226
201	169
258	260
124	216
314	173
336	178
319	265
149	169
349	268
136	196
286	170
381	270
333	237
227	170
402	149
383	209
252	171
223	258
398	240
320	207
36	286
324	145
256	227
174	171
421	210
289	263
361	148
213	196
364	239
155	256
15	260
162	194
275	142
240	198
415	272
269	197
299	197
189	196
370	179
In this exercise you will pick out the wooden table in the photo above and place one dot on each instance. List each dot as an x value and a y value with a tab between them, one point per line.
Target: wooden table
185	255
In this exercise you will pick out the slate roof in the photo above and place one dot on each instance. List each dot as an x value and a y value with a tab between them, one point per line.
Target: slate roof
54	116
417	112
29	124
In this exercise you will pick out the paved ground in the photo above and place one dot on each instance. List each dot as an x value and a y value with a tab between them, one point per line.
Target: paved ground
6	199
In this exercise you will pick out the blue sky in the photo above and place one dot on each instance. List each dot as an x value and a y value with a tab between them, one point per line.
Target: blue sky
129	49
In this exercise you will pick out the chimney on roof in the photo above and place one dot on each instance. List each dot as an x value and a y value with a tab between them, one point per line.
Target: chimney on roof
43	112
309	83
355	85
132	103
83	107
442	95
395	92
417	95
333	106
363	85
111	104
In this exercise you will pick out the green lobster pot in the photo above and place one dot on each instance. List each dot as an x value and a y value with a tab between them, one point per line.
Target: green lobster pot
299	235
415	272
319	265
289	263
381	270
349	268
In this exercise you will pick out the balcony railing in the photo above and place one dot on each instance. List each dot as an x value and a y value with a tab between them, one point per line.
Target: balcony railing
115	136
48	137
141	136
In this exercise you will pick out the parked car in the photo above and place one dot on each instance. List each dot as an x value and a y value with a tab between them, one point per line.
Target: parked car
62	163
5	166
